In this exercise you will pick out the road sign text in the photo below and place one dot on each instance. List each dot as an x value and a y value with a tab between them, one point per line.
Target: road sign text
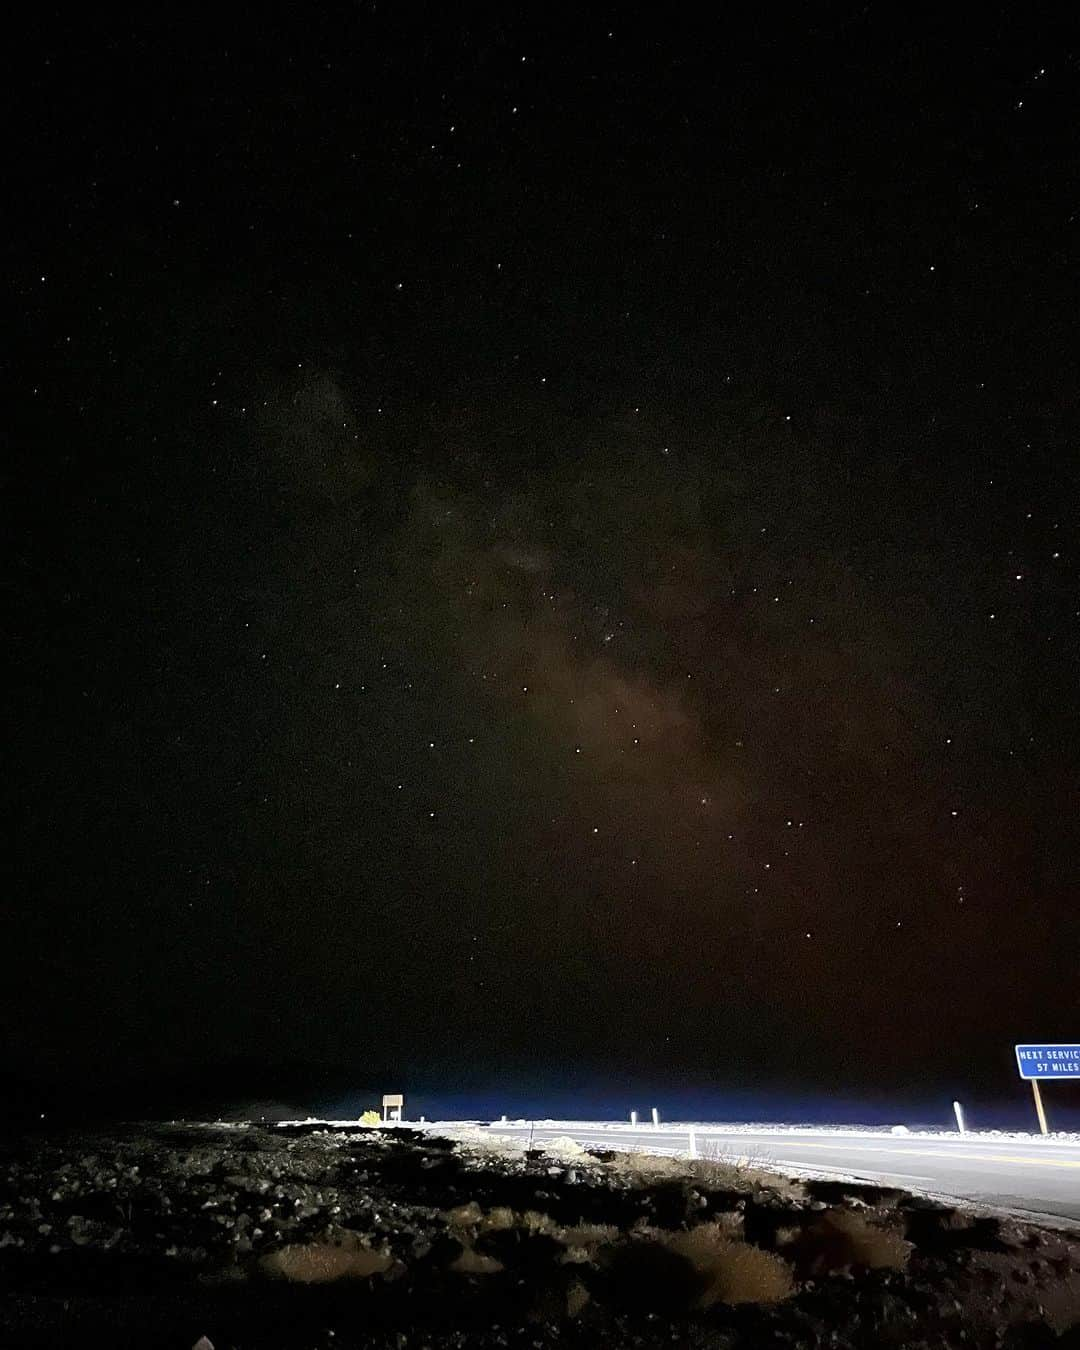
1048	1061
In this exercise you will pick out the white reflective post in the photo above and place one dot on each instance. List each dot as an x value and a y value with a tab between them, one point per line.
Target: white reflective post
959	1112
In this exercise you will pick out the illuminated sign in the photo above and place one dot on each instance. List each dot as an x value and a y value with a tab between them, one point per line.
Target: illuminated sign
1048	1061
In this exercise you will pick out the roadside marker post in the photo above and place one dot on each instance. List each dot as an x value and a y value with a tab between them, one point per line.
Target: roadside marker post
655	1118
958	1111
1043	1063
633	1117
693	1144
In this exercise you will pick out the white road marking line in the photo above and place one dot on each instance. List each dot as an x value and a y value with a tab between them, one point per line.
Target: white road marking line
929	1153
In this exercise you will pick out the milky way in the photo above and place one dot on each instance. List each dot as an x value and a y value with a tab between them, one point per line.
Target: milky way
545	549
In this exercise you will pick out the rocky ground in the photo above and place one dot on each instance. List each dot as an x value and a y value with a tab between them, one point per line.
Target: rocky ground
239	1238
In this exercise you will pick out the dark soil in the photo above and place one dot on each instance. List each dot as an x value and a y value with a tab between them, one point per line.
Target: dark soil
157	1236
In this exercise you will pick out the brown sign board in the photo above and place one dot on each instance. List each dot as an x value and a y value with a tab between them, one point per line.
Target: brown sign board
393	1099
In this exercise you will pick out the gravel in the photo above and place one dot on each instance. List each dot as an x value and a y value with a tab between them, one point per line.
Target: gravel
313	1236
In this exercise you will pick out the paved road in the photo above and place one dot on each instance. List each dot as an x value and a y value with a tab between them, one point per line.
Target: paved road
1032	1177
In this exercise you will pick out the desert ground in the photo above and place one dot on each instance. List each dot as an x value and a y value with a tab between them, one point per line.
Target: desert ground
244	1236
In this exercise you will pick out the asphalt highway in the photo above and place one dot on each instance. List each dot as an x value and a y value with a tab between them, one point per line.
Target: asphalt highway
1036	1177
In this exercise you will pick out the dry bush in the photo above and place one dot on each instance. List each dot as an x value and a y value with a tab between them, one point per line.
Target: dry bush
464	1216
582	1242
746	1274
471	1262
589	1235
650	1167
731	1271
535	1223
843	1238
714	1170
575	1256
576	1298
322	1263
470	1215
499	1218
730	1224
718	1176
717	1169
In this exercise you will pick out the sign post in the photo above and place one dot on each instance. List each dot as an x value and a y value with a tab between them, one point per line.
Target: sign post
1039	1106
1043	1063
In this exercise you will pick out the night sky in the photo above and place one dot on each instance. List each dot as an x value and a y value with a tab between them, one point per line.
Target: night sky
544	552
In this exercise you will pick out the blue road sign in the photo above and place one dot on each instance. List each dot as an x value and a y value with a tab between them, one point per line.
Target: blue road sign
1048	1061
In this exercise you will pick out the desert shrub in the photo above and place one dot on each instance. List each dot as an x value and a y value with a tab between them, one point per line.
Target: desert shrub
470	1215
464	1216
713	1170
534	1222
730	1271
718	1169
370	1118
649	1167
498	1218
471	1262
843	1238
581	1243
577	1296
575	1256
588	1235
322	1263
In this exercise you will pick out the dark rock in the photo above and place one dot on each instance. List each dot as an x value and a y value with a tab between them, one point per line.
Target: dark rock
648	1277
1031	1336
831	1192
521	1251
763	1220
436	1143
